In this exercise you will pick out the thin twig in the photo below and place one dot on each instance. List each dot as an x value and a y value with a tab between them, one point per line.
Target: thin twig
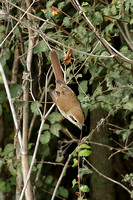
76	50
11	104
26	80
99	124
30	14
124	36
108	46
35	152
41	98
61	175
108	178
79	183
17	23
51	163
15	66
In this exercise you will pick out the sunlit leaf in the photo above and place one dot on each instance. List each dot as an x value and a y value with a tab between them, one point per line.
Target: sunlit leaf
84	153
74	182
84	188
75	162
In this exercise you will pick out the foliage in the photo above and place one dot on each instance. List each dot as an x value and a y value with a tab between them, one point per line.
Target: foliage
101	83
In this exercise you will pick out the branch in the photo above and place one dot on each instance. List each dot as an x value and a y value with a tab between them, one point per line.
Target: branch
26	79
41	99
108	178
30	14
15	66
11	105
108	46
124	36
35	151
61	176
17	23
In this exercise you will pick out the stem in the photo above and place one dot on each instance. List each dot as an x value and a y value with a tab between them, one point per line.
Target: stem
11	104
35	152
110	179
61	176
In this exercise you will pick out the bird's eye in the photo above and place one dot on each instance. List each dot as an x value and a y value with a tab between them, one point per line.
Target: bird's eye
73	118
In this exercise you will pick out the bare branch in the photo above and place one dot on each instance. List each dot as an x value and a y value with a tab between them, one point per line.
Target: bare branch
15	66
61	175
108	178
35	151
17	23
11	104
108	46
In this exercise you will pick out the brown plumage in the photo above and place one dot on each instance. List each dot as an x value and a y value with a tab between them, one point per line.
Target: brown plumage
65	99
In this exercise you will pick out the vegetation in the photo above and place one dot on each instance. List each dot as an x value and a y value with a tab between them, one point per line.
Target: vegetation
38	147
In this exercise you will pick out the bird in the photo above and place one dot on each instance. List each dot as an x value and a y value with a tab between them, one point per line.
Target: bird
64	97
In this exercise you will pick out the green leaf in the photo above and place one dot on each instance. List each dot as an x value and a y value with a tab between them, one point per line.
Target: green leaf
54	117
2	96
62	5
45	127
55	128
128	177
67	22
35	106
47	26
15	90
84	146
6	54
84	4
59	156
131	125
106	11
125	135
20	104
45	138
8	149
48	13
63	192
84	153
49	180
84	188
131	21
45	151
12	180
113	10
83	87
128	106
41	47
131	194
39	183
11	168
75	154
85	171
75	162
2	186
74	182
79	76
2	29
39	166
5	187
109	28
97	18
